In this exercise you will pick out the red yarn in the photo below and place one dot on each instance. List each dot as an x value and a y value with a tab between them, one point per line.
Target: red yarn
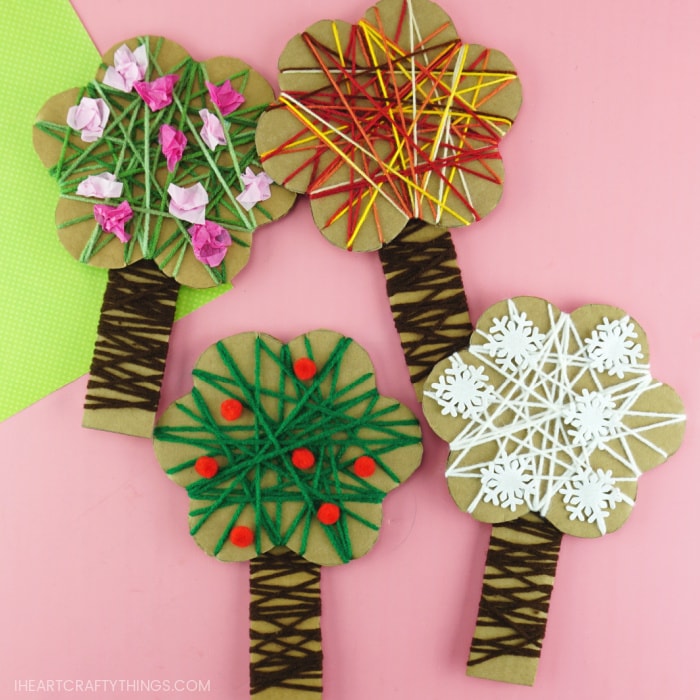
206	467
305	368
231	409
303	458
242	536
328	513
364	466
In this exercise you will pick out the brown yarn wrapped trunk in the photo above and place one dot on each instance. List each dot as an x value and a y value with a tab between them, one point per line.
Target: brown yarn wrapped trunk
518	580
427	298
128	363
286	660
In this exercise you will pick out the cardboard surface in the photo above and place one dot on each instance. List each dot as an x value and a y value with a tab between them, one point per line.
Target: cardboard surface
366	178
349	379
76	225
515	601
131	349
427	297
562	376
287	615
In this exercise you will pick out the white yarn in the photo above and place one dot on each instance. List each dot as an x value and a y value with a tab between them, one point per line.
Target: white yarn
547	430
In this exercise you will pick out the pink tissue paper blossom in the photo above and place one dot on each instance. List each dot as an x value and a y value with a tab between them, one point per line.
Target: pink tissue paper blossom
212	131
129	67
89	117
173	143
209	242
225	97
112	219
102	186
158	93
188	203
257	188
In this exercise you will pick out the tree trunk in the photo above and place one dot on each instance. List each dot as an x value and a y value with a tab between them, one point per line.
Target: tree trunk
285	628
427	297
520	567
127	368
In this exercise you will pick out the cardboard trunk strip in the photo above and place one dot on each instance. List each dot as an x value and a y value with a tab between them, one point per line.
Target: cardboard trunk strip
427	297
518	580
285	627
128	363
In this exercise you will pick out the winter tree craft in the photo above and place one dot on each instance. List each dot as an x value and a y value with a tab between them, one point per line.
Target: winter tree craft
160	182
551	419
287	452
392	126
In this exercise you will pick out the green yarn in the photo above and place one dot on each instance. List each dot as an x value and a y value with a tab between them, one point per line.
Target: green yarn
129	149
337	421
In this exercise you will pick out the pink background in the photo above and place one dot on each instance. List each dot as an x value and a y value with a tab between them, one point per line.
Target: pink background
100	577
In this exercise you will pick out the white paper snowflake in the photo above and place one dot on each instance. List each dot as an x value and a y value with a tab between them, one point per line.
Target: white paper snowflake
611	347
513	340
508	481
461	390
592	418
590	495
541	435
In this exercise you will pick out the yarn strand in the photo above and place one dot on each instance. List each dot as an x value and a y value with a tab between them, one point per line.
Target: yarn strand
406	122
137	314
518	580
427	297
285	626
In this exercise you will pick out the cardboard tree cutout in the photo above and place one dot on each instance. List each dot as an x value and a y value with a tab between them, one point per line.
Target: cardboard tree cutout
551	419
287	452
392	127
160	183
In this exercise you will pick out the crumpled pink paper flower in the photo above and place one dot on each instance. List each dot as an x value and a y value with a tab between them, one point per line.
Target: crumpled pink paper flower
188	203
172	143
102	186
89	117
225	97
129	68
112	219
257	188
159	92
209	242
212	131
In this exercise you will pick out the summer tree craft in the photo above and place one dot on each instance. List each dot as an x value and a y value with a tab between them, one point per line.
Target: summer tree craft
287	452
392	127
160	183
551	419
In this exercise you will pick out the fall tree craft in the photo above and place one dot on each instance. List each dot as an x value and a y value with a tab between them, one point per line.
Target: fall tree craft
551	419
160	183
287	452
392	127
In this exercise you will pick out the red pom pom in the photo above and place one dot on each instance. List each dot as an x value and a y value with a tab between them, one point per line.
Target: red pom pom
242	536
364	466
231	409
206	467
303	458
328	513
305	368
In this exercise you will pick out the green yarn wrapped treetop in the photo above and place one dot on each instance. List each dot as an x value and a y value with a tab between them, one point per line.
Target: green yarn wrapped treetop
157	170
287	452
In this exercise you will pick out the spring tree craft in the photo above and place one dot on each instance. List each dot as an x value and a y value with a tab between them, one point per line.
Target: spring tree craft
392	126
287	452
159	182
551	419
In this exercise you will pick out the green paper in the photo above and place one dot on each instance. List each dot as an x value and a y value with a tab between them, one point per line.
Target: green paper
49	303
